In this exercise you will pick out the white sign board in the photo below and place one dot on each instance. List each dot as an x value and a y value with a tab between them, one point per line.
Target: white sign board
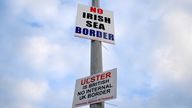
96	88
95	24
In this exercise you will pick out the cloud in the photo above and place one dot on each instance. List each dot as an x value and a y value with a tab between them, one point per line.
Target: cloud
172	61
38	50
175	56
55	59
158	46
22	93
42	10
60	97
32	90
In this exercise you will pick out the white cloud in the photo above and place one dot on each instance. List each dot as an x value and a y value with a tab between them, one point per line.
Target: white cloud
37	50
110	58
174	58
24	105
178	24
56	59
32	91
38	9
22	93
42	55
172	61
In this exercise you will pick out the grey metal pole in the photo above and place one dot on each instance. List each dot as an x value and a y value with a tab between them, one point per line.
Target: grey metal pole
96	58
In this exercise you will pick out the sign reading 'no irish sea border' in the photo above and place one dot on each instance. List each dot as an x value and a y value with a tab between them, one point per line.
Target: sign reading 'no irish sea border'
96	88
95	24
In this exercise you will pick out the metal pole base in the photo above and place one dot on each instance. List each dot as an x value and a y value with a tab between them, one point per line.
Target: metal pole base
97	105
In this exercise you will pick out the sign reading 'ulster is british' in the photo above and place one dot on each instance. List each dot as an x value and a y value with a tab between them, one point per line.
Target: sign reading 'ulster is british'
95	24
96	88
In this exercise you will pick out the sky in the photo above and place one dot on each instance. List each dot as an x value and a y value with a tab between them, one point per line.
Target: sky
40	58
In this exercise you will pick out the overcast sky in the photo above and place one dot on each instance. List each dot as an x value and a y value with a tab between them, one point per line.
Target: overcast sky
40	58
